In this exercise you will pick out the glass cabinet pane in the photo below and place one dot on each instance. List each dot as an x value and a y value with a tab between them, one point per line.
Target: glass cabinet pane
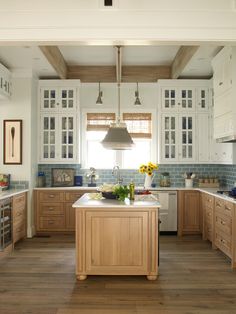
67	137
187	137
169	100
186	98
67	98
49	98
169	137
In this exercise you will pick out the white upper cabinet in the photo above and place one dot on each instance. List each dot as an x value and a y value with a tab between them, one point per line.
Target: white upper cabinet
5	82
177	99
184	128
58	99
224	83
58	127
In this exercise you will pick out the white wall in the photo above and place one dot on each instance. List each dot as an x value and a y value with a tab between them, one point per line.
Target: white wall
147	91
23	105
131	21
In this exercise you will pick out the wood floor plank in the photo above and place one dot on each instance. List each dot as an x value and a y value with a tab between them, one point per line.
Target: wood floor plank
39	278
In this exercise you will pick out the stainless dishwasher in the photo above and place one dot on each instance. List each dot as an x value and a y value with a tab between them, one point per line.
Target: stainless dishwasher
168	210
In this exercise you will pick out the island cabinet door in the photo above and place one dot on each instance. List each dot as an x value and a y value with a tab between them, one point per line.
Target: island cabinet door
116	243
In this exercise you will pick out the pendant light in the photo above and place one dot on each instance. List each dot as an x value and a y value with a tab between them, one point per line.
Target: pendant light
117	137
99	99
137	99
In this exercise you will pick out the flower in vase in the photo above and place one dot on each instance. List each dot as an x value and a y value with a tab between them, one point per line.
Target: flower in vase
148	168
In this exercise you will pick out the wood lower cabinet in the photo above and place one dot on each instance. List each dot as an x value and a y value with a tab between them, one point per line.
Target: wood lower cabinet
19	216
54	212
189	212
111	241
223	221
207	204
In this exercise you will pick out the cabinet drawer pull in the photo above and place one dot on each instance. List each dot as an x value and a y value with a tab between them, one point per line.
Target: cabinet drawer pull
221	83
51	208
222	222
222	241
51	195
227	208
19	214
218	205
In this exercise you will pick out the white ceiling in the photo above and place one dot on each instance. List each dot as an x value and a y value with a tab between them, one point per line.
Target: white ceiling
31	58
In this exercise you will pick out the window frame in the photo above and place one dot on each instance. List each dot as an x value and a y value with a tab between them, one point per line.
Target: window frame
119	157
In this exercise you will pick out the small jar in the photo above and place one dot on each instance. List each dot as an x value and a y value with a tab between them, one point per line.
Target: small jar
41	180
165	179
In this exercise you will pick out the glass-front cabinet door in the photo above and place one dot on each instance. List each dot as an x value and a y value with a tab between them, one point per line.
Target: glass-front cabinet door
187	138
49	99
67	99
48	138
202	99
186	100
169	138
67	137
169	98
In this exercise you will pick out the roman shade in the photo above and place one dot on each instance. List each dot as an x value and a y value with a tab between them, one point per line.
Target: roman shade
99	121
139	125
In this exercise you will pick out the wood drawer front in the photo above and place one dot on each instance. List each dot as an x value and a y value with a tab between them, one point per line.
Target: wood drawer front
224	223
18	215
51	196
209	201
229	207
224	207
209	233
52	223
51	209
19	201
223	242
73	196
208	213
18	231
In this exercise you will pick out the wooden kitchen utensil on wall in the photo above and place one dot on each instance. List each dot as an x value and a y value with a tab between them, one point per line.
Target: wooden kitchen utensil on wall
12	140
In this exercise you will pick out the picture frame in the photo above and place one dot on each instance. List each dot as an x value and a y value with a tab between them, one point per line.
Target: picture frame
63	176
12	142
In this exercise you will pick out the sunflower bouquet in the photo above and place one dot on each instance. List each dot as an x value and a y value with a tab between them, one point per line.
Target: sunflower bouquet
148	169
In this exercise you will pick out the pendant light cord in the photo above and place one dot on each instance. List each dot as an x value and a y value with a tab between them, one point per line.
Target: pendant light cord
118	81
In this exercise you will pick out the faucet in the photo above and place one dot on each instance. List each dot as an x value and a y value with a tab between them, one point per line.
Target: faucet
116	172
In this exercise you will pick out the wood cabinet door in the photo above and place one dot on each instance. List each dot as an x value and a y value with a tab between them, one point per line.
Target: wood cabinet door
191	212
70	217
116	242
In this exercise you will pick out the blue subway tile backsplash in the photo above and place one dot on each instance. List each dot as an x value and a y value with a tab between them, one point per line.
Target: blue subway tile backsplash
225	173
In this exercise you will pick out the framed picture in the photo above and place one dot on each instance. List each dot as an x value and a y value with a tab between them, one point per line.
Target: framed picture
63	176
12	140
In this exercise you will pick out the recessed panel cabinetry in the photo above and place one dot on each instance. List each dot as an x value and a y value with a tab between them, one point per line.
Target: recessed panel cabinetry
19	216
224	83
58	127
54	211
184	109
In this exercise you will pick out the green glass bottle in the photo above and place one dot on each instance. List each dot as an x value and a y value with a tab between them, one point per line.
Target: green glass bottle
131	191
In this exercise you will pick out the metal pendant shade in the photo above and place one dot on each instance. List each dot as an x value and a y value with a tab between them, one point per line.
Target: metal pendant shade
118	137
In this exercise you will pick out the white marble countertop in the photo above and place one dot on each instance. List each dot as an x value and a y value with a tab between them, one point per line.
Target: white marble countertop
11	192
85	201
211	191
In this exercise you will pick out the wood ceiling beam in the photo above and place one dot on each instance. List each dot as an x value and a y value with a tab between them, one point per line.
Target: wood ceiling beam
182	58
106	74
55	58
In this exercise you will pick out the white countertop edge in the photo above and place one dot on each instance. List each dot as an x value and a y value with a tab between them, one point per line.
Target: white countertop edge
85	202
12	192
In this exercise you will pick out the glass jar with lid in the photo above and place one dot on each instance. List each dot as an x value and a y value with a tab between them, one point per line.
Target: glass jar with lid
165	179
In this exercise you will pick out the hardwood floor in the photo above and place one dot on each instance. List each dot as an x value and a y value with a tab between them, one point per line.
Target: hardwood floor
38	278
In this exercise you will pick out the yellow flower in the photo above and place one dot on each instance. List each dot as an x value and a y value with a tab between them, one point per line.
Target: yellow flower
149	168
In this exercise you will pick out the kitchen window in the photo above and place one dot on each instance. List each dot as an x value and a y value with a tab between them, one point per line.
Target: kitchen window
140	128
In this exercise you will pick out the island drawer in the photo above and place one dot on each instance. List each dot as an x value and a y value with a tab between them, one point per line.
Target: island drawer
49	196
19	214
48	209
208	213
208	200
55	223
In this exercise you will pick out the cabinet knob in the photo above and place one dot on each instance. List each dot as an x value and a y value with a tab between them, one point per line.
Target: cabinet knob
221	83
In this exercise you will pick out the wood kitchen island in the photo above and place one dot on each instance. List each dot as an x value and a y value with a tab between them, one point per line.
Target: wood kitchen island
116	238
